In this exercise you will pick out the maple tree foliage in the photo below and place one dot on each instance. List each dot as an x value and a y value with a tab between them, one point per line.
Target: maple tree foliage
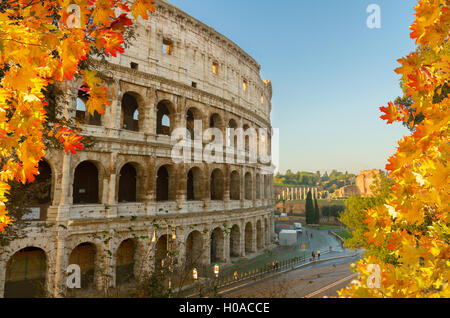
412	225
42	43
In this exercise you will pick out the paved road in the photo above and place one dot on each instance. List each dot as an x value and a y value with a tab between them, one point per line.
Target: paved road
316	280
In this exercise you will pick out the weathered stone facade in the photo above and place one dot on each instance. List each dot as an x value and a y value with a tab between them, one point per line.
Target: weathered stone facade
365	180
178	68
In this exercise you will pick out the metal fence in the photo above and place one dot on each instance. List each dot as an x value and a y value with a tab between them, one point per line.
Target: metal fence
224	280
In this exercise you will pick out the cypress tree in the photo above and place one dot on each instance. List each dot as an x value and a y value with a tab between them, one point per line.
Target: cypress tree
309	209
316	212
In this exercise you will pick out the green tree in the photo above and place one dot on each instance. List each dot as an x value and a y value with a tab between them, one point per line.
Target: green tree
316	212
356	212
309	209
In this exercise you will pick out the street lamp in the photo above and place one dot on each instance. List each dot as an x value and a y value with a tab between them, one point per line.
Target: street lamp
194	274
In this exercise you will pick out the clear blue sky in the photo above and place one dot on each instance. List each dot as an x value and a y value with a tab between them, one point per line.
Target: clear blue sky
330	73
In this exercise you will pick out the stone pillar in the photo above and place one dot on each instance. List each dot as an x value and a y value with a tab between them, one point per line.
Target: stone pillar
207	189
180	117
115	108
104	197
254	246
152	110
226	188
112	185
242	187
65	199
181	179
181	246
3	262
60	265
206	257
254	188
149	195
242	240
147	109
226	247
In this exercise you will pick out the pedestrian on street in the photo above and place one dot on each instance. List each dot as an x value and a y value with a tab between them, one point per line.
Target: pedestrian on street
318	255
313	256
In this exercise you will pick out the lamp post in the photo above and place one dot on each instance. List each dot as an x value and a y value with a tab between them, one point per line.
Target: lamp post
168	254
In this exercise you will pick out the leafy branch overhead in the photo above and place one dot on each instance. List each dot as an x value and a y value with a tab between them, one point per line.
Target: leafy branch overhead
408	234
42	44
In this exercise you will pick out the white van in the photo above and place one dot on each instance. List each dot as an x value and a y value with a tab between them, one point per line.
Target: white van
298	227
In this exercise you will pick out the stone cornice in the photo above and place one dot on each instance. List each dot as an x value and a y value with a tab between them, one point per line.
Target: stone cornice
119	68
203	27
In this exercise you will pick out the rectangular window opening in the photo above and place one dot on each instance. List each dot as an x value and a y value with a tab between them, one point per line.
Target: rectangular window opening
167	47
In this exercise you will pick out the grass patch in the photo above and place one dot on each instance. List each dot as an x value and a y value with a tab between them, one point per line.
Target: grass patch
345	234
326	227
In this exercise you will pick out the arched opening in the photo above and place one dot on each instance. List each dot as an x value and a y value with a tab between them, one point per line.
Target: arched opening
194	179
259	235
231	135
247	138
36	196
216	185
125	262
163	118
215	121
26	272
194	249
235	186
84	256
164	186
130	112
192	115
258	186
248	238
248	186
81	113
235	241
217	243
85	184
127	183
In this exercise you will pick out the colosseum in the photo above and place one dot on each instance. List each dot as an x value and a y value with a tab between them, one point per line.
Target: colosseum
116	208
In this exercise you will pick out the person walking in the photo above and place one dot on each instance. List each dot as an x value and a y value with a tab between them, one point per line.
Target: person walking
318	255
313	256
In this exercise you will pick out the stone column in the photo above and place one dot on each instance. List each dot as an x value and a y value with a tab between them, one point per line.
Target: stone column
254	246
3	262
242	240
152	110
206	257
112	185
149	189
60	266
242	187
225	248
65	199
115	108
226	188
254	187
181	179
207	189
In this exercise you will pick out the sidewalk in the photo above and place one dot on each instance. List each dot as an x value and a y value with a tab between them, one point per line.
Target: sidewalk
321	240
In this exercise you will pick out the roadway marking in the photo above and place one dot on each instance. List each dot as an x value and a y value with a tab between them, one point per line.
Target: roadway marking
330	286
